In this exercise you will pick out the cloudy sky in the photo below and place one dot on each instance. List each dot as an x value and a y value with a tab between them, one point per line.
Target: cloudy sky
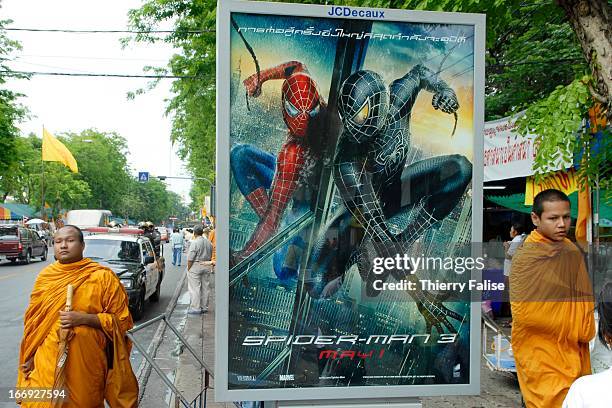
76	103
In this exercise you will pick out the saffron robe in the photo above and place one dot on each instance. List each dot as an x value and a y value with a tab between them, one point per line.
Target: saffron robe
552	319
212	237
89	377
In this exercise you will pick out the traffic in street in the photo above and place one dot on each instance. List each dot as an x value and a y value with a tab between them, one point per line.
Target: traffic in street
16	282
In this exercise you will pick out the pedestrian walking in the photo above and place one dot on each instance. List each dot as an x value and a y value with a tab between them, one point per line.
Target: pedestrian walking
552	306
96	356
199	272
176	240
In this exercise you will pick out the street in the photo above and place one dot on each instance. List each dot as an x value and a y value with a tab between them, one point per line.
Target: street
16	282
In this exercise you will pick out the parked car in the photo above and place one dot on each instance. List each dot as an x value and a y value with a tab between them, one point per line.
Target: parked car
130	255
165	237
23	244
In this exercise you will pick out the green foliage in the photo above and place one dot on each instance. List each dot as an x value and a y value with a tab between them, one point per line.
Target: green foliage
22	179
530	51
103	181
102	165
152	202
10	111
63	189
556	122
193	106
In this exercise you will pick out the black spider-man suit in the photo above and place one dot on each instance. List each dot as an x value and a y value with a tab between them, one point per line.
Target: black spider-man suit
393	203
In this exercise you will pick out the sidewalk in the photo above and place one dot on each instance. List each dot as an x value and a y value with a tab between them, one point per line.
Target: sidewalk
497	389
199	331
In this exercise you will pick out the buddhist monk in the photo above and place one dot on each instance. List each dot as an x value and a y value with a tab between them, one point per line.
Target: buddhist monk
552	306
97	367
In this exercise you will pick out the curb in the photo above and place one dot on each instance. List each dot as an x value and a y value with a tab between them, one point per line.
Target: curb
144	370
189	378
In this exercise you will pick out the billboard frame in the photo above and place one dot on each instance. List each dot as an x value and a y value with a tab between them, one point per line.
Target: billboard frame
222	391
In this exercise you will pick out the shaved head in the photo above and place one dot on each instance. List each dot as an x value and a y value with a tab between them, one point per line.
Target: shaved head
68	244
77	229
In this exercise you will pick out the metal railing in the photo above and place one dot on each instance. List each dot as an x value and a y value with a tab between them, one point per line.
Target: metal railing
200	400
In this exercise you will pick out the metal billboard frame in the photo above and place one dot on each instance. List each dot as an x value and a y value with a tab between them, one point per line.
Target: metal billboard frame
222	391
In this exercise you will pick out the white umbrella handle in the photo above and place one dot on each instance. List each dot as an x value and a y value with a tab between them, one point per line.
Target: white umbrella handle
69	292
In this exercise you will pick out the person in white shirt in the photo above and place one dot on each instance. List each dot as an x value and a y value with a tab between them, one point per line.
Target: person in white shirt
177	241
593	391
518	235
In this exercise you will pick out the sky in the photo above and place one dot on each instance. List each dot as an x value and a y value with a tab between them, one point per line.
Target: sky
72	104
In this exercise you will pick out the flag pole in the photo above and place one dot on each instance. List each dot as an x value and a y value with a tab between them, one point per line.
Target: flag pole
42	183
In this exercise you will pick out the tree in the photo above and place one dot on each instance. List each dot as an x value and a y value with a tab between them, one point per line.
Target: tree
22	178
193	106
63	189
102	165
177	208
592	23
531	49
11	112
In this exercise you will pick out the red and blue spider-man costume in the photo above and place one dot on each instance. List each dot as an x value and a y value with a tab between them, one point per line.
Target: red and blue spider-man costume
268	184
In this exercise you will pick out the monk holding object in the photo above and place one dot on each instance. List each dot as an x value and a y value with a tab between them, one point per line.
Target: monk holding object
97	364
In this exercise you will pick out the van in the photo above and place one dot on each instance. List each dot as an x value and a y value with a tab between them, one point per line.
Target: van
88	218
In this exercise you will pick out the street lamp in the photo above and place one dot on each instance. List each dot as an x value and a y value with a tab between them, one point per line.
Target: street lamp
212	187
186	178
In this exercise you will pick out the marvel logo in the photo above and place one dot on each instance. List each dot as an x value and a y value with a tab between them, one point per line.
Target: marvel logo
286	377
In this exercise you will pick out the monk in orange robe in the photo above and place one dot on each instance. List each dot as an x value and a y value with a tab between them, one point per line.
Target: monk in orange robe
97	367
213	240
552	306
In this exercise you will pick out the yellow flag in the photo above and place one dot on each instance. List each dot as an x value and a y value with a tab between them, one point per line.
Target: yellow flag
584	213
54	150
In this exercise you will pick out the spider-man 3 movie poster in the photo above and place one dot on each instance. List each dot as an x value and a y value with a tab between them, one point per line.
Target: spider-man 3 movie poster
349	139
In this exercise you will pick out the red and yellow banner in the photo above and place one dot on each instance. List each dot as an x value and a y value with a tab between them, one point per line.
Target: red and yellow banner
563	180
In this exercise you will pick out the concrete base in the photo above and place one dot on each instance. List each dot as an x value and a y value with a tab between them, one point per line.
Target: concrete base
383	403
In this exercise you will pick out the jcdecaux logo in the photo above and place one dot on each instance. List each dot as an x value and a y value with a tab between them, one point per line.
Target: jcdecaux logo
350	12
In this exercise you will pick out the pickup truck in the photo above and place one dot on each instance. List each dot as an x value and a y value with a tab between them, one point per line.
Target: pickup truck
18	243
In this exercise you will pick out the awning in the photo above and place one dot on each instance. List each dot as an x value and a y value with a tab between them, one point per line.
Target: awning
516	202
6	214
15	211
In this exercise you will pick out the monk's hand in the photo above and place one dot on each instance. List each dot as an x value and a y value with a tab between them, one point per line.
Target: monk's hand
27	367
72	319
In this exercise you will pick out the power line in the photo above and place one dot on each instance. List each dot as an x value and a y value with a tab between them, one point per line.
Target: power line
83	57
89	74
53	30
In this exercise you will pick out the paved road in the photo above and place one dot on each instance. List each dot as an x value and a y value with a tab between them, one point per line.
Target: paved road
16	283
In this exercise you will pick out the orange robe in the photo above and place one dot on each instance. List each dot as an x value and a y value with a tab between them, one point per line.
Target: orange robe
552	319
89	379
213	240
